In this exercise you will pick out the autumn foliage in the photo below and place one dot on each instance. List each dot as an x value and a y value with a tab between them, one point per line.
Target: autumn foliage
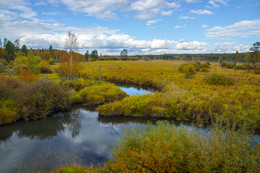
66	64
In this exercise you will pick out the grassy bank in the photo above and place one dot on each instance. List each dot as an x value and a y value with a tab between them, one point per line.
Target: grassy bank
219	93
165	148
41	98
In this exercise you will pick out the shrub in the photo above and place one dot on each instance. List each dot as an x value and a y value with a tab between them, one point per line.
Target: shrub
257	71
52	61
189	70
228	65
78	83
204	70
11	82
241	66
44	63
39	99
8	112
165	148
194	65
2	67
99	94
205	65
197	62
45	69
219	79
27	76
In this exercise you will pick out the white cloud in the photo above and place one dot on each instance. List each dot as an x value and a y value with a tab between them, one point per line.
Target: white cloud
145	9
201	12
192	1
191	45
99	9
204	26
150	22
166	13
149	8
186	17
230	47
179	26
19	5
217	3
239	29
49	13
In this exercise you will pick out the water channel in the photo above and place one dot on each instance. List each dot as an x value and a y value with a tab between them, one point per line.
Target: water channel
79	136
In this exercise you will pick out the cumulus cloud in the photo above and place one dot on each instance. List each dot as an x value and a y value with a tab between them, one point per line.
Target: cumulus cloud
19	5
191	45
149	8
145	9
150	22
99	9
179	26
186	17
217	3
240	29
204	26
230	47
192	1
166	13
201	12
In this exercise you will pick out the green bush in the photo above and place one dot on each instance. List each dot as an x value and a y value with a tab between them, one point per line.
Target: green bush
165	148
189	70
39	99
99	94
257	71
194	65
228	64
8	112
78	83
205	65
219	79
241	66
204	70
45	70
52	61
197	62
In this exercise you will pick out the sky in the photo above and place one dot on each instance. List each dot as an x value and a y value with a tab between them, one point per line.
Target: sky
141	26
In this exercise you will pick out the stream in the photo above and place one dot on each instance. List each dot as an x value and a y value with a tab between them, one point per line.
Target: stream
79	136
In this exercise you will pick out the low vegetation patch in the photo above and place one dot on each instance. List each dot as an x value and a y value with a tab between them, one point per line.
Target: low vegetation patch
165	148
99	94
219	79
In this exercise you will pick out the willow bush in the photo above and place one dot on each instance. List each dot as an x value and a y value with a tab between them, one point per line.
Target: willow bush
165	148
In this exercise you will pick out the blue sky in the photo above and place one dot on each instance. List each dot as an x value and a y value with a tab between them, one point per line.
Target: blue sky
141	26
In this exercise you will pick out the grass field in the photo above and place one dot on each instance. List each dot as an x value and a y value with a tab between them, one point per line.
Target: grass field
180	97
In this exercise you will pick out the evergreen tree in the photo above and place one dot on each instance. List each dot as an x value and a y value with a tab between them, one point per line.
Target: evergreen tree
10	48
50	49
24	50
17	44
86	55
94	54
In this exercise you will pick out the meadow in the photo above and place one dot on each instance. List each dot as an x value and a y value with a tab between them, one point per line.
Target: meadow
195	98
